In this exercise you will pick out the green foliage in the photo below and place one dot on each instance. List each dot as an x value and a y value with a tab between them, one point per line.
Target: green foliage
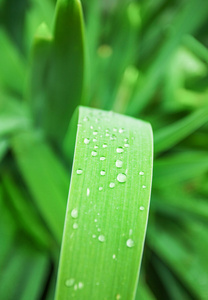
146	59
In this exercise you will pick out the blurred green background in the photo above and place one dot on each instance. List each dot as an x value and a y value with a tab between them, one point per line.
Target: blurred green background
147	59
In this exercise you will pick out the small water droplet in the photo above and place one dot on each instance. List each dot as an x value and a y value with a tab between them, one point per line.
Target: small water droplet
130	231
141	208
105	145
118	297
75	226
102	172
80	285
69	282
86	141
144	186
119	163
86	119
121	177
74	213
121	130
94	140
113	137
88	192
75	287
94	153
126	145
95	220
91	127
130	243
96	146
141	173
100	188
112	185
101	238
119	150
114	256
79	171
102	158
107	134
93	236
95	132
114	129
126	140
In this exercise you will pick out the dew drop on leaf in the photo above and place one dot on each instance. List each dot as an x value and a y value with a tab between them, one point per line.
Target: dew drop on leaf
69	282
95	132
141	208
121	130
86	141
130	243
101	238
144	186
75	226
112	185
100	188
94	153
79	171
80	285
114	256
121	177
88	192
86	119
119	150
102	158
119	163
141	173
105	145
113	137
126	145
74	213
102	172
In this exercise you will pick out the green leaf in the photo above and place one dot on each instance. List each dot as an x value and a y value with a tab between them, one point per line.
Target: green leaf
108	207
169	136
58	70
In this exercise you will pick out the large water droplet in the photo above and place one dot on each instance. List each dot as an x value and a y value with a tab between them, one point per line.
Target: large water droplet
101	238
69	282
79	171
74	213
86	141
119	163
119	150
130	243
121	177
94	153
112	185
102	172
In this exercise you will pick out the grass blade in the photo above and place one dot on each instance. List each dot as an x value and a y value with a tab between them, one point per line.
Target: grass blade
107	209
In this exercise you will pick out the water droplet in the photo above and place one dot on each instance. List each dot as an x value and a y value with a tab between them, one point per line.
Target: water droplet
121	177
126	145
118	297
80	285
101	238
114	256
93	236
119	163
86	119
91	127
74	213
112	185
88	192
107	130
75	287
141	208
121	130
79	171
126	140
105	145
100	188
86	141
130	231
119	150
75	226
94	153
69	282
130	243
96	146
95	220
107	134
113	137
102	158
95	132
141	173
94	140
144	186
115	129
102	172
